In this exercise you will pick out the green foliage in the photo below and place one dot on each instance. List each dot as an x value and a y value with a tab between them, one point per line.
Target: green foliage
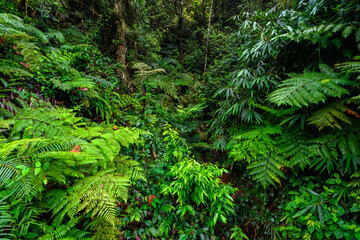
238	234
67	231
309	88
96	194
50	146
199	185
5	220
268	97
320	212
331	116
258	149
175	148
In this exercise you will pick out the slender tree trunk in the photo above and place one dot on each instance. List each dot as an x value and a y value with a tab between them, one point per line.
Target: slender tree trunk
208	35
180	26
121	34
121	48
223	13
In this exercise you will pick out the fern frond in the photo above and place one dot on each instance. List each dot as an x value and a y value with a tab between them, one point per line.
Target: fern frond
101	81
293	145
308	88
350	67
13	179
88	133
126	136
130	169
82	83
259	149
13	69
66	231
267	169
45	121
330	116
96	194
17	23
104	230
6	221
53	34
336	151
143	70
254	143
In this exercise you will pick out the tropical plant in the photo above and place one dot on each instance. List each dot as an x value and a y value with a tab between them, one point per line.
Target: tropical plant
50	146
320	211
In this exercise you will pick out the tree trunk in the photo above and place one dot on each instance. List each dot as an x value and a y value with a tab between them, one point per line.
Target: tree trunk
121	34
180	26
208	35
121	48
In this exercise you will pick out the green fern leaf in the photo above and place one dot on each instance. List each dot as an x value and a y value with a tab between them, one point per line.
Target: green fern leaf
13	69
266	170
6	221
308	88
96	194
330	116
347	31
254	143
293	145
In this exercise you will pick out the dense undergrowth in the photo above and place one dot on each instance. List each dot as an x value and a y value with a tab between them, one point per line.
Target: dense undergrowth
211	119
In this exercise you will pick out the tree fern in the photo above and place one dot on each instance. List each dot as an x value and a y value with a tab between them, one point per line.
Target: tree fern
336	152
259	149
61	149
293	145
96	194
332	115
267	169
309	88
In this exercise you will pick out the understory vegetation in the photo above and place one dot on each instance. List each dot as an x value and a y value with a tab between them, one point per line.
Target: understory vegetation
154	119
